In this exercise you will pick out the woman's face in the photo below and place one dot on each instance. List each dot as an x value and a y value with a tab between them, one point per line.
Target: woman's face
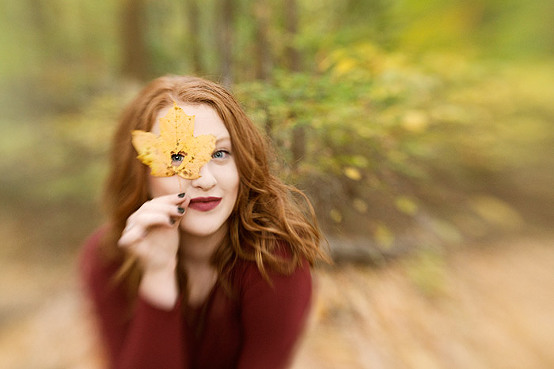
214	194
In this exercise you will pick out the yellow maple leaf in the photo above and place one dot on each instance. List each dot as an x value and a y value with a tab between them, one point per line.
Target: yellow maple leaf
176	150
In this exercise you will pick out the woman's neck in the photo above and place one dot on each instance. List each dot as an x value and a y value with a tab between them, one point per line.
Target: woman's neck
196	254
197	251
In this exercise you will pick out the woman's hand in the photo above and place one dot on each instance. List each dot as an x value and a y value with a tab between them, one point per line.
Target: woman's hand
152	232
152	235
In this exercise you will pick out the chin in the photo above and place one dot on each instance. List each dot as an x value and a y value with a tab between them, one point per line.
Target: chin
201	228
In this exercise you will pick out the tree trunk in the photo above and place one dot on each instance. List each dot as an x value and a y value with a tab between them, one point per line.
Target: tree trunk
45	37
262	57
135	59
293	57
193	38
226	16
294	64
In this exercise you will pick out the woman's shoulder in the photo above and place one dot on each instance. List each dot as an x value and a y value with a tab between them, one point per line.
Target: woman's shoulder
247	273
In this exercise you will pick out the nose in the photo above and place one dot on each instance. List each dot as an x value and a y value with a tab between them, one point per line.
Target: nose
206	180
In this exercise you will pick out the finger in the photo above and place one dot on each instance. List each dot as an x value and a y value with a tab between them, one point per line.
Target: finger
131	236
183	206
176	198
172	209
136	231
163	210
159	208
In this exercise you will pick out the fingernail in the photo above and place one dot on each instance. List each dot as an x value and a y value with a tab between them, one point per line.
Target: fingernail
180	210
181	194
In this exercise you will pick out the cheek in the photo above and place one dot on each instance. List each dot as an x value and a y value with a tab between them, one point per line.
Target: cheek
232	180
160	186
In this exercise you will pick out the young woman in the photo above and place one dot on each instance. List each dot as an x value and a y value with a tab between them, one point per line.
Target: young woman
207	272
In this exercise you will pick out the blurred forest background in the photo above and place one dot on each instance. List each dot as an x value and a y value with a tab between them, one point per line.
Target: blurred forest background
421	130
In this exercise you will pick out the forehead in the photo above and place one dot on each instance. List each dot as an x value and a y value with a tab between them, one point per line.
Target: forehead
206	120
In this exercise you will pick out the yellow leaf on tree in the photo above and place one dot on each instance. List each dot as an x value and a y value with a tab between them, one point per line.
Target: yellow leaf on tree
383	236
360	205
406	205
415	121
335	215
176	150
352	173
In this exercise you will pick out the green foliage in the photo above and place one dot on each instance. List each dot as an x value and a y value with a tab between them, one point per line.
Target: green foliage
392	139
407	124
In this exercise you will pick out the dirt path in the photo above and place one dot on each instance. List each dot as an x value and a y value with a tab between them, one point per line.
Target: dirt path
479	308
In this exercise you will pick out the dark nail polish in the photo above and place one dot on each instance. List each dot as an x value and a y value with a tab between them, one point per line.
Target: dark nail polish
180	210
181	194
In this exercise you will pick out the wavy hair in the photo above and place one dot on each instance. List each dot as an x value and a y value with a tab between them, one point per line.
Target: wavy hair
268	214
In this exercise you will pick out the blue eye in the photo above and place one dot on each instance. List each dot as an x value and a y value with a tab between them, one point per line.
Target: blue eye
177	159
220	154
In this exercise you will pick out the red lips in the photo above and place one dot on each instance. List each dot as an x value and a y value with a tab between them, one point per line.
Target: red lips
204	203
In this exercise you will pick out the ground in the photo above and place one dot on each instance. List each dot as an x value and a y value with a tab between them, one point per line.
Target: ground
479	306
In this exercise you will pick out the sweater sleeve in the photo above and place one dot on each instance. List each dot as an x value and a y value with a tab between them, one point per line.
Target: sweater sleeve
139	338
273	317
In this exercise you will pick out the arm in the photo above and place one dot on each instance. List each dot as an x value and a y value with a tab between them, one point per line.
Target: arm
273	317
147	336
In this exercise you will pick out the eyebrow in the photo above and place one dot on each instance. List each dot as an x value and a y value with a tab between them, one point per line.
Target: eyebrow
224	138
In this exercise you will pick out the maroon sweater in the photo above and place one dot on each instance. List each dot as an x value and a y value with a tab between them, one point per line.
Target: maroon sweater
257	327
